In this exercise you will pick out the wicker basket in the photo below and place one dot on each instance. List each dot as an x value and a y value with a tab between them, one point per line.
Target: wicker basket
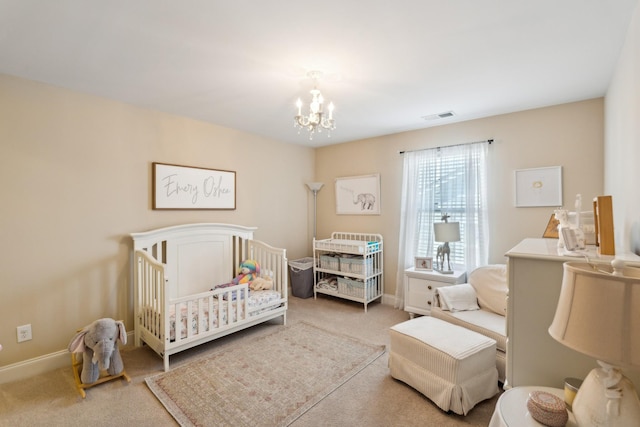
357	288
357	265
547	409
330	262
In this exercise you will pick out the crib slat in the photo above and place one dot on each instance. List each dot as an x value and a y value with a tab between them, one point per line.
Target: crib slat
219	303
229	308
178	322
211	316
189	324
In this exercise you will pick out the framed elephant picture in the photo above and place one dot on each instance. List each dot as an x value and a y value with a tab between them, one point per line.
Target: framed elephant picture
358	195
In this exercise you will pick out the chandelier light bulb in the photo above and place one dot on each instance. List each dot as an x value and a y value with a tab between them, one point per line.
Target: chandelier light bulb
299	105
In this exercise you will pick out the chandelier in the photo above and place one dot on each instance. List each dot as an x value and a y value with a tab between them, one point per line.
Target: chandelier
316	120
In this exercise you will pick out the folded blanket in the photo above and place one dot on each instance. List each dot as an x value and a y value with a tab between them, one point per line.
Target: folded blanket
458	297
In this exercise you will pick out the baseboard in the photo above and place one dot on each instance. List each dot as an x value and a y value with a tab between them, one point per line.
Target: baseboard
389	300
39	365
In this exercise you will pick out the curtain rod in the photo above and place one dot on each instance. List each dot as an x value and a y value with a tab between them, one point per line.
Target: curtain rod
437	148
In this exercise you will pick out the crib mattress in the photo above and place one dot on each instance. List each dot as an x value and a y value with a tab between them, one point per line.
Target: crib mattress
258	302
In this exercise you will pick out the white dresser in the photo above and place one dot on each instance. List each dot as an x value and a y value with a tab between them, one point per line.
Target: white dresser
535	268
420	286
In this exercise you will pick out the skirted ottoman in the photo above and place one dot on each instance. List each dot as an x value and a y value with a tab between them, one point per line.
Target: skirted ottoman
451	365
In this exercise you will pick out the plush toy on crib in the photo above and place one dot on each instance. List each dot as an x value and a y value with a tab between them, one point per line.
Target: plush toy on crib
261	283
248	271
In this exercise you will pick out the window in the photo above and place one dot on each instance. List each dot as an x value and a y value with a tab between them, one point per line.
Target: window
444	173
446	180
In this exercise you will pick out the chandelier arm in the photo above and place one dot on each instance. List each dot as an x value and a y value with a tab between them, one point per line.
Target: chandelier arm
302	121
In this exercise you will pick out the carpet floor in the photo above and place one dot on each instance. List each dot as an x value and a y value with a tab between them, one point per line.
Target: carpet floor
240	386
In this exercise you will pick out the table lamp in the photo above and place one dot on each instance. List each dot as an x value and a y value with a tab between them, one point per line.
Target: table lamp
598	314
445	232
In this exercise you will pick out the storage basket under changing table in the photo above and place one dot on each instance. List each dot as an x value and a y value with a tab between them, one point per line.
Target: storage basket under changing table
330	262
357	265
358	288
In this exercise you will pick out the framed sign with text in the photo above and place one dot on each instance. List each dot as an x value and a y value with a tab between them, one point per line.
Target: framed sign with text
186	187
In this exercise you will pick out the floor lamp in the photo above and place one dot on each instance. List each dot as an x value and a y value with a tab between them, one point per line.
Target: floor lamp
314	187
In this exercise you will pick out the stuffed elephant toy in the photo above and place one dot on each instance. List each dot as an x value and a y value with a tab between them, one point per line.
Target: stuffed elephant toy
99	344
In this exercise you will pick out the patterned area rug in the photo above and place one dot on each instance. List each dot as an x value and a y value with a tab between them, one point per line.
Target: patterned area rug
268	381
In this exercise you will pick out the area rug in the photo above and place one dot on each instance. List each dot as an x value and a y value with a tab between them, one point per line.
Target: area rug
267	381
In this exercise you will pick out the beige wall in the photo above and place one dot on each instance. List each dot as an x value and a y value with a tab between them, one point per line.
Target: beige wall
75	175
622	141
568	135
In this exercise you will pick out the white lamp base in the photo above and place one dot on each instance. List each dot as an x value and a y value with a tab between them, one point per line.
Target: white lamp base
607	398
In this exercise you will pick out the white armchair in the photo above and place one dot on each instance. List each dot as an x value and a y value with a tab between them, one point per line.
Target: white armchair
481	307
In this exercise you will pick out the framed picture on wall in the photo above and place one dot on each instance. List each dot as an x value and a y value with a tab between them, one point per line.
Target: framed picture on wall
538	187
186	187
424	263
358	195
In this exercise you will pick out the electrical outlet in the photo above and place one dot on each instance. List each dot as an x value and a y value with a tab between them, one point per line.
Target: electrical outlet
24	333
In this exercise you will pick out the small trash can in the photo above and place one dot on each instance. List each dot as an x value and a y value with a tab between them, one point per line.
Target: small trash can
301	275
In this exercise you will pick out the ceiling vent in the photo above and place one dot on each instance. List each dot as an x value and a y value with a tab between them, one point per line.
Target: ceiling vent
439	116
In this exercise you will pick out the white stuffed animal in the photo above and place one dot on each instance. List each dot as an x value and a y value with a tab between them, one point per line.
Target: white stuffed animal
260	283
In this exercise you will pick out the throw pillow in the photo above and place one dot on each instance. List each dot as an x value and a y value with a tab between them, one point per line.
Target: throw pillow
490	283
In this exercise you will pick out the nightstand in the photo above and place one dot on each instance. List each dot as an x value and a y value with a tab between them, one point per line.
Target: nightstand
420	286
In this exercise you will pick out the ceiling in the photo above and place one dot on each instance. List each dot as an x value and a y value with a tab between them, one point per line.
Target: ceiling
242	64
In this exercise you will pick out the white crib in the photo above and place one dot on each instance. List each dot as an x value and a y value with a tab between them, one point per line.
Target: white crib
174	270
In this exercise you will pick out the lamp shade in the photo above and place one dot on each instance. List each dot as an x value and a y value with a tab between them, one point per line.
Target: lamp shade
598	313
446	231
314	186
